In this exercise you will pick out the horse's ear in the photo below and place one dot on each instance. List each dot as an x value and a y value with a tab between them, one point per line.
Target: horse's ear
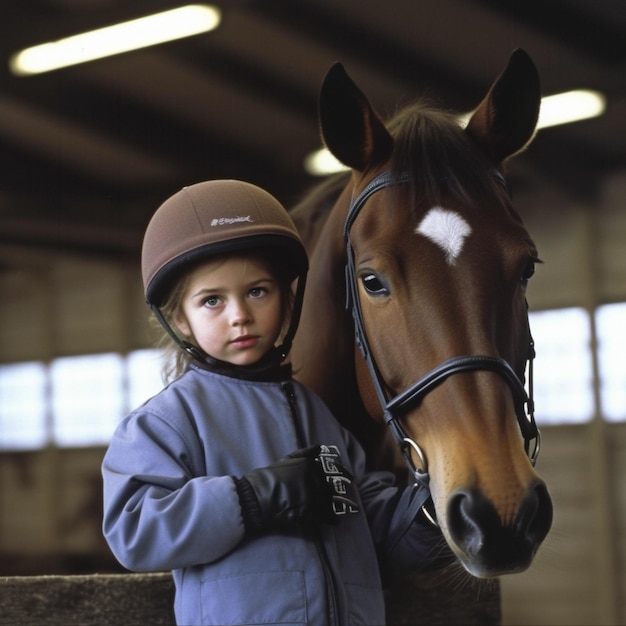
351	129
505	121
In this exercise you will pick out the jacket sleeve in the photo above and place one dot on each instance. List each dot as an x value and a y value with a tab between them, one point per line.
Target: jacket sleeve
412	543
404	540
158	513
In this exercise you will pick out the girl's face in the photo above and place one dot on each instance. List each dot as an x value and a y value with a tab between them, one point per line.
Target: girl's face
232	309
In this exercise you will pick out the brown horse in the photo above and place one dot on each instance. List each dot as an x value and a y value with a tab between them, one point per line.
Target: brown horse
437	262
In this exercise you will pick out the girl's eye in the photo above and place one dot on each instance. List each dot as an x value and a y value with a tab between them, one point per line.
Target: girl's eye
211	301
375	285
528	272
257	292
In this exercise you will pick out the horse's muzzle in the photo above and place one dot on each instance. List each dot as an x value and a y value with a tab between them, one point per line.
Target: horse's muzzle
484	545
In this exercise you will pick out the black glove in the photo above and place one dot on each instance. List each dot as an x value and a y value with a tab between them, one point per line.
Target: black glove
293	491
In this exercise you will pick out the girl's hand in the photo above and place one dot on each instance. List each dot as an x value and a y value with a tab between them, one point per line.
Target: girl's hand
307	488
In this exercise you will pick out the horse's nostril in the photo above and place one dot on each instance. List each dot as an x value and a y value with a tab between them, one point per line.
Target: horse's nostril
534	517
471	517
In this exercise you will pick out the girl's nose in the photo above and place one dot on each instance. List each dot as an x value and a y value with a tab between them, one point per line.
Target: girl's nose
240	313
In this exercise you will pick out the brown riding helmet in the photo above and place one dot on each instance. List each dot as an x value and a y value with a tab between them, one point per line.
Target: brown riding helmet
212	218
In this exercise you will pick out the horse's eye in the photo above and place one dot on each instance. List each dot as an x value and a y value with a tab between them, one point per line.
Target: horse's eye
528	272
374	285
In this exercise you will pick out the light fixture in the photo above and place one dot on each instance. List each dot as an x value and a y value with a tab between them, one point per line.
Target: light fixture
322	162
560	108
570	106
151	30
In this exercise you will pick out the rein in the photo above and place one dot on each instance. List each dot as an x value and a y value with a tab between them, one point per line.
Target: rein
395	407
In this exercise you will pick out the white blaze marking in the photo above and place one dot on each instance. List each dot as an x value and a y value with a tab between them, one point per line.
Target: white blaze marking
447	229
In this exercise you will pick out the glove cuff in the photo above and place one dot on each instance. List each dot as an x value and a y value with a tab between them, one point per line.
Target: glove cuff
250	508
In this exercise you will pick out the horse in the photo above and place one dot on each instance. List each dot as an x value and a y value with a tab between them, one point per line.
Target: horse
414	326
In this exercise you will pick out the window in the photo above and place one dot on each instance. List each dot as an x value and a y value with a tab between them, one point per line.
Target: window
87	398
75	401
563	373
23	412
143	376
610	322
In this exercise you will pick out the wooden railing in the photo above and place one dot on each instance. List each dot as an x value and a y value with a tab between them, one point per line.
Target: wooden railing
148	599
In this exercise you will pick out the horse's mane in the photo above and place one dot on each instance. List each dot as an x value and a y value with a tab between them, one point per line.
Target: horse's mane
439	155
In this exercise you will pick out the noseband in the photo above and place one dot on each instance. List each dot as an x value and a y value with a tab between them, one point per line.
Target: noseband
397	406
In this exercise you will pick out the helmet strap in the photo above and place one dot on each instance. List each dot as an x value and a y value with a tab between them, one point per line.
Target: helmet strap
295	318
194	351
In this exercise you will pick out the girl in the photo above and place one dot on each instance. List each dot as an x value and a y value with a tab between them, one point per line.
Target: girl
235	476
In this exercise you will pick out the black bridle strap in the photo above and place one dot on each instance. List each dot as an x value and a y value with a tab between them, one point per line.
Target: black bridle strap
412	396
386	179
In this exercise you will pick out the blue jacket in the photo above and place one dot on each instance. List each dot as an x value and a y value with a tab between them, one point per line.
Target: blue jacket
170	504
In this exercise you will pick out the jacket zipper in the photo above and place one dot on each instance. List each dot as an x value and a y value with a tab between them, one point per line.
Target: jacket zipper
287	388
333	608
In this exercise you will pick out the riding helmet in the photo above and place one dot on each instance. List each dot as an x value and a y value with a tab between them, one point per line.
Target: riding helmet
213	218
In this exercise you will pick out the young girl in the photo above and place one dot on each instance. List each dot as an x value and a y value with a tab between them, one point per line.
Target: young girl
235	476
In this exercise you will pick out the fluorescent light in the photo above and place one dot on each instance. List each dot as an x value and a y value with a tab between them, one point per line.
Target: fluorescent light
151	30
561	108
322	162
570	106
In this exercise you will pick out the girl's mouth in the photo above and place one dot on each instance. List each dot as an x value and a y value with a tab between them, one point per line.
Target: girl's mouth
245	341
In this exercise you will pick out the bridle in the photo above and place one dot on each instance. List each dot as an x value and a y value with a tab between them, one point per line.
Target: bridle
397	406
